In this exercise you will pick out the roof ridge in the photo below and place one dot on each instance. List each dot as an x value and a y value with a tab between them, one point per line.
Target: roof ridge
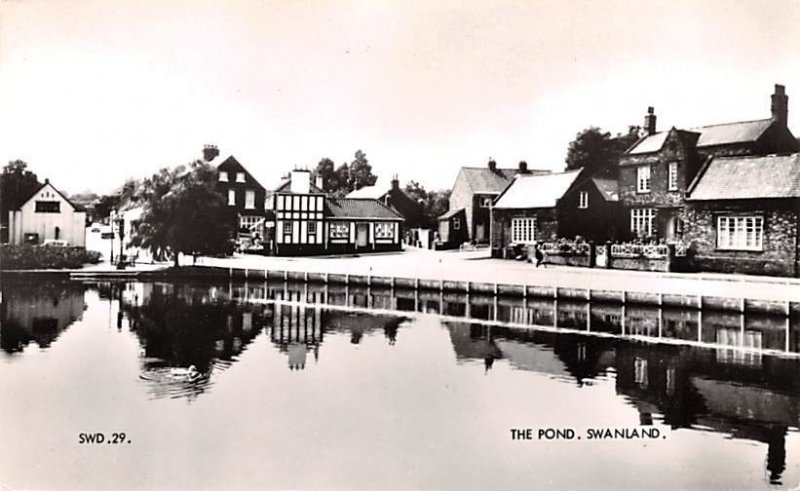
730	123
762	156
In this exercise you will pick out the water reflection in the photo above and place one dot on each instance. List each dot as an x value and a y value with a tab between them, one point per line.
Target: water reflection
687	369
38	312
187	333
682	386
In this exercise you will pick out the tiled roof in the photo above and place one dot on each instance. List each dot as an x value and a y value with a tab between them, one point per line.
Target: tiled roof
536	191
607	187
713	135
771	176
724	134
451	213
651	143
485	180
360	208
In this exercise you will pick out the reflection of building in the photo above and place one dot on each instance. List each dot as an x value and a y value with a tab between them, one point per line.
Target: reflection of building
33	311
296	330
698	387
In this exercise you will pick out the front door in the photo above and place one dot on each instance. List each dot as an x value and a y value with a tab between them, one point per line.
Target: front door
480	232
362	233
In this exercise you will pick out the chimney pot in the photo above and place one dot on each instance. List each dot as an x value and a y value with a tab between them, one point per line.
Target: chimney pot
780	105
492	165
523	167
650	121
210	152
395	182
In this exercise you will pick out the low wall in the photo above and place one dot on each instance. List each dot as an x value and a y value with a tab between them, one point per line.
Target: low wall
640	263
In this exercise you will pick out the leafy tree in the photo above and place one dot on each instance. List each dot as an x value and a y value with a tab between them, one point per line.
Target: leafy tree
342	180
17	184
360	172
598	151
327	173
184	214
434	203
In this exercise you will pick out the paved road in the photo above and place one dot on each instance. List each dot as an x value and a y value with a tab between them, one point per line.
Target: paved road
478	267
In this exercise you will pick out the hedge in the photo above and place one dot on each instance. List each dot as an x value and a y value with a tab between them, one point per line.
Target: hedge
45	257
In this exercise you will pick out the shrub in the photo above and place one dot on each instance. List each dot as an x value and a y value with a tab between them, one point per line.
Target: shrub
38	257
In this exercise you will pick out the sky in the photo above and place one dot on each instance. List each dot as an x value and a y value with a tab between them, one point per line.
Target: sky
94	92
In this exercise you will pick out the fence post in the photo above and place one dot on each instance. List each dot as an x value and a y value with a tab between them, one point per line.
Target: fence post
608	255
592	254
670	257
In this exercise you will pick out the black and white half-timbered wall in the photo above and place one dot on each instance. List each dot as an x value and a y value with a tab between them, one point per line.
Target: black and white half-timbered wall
307	222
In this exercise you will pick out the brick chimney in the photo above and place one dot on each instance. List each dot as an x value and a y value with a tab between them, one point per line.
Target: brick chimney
780	104
523	167
210	152
395	183
492	165
650	121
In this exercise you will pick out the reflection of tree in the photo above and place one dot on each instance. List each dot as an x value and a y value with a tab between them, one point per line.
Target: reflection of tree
37	311
182	325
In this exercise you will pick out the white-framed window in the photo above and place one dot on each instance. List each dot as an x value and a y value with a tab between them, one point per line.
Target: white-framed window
384	230
642	221
312	228
672	176
456	224
248	221
523	230
740	233
339	230
643	179
231	197
250	199
583	199
223	177
486	202
240	177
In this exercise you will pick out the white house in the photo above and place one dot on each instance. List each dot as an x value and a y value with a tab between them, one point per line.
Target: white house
47	215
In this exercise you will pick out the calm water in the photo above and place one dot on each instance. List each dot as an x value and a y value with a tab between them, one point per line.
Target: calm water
306	386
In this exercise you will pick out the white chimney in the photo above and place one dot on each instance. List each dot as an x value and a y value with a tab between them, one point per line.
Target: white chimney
301	182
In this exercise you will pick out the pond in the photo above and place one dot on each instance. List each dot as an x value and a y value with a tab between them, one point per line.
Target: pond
290	385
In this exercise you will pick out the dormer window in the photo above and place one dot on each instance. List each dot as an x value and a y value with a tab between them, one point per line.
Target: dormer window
223	177
643	179
583	199
240	177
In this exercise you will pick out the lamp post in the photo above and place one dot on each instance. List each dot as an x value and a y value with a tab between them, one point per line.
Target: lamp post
111	219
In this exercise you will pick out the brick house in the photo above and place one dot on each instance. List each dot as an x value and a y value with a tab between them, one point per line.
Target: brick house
655	173
396	199
243	193
467	218
528	210
590	209
750	228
